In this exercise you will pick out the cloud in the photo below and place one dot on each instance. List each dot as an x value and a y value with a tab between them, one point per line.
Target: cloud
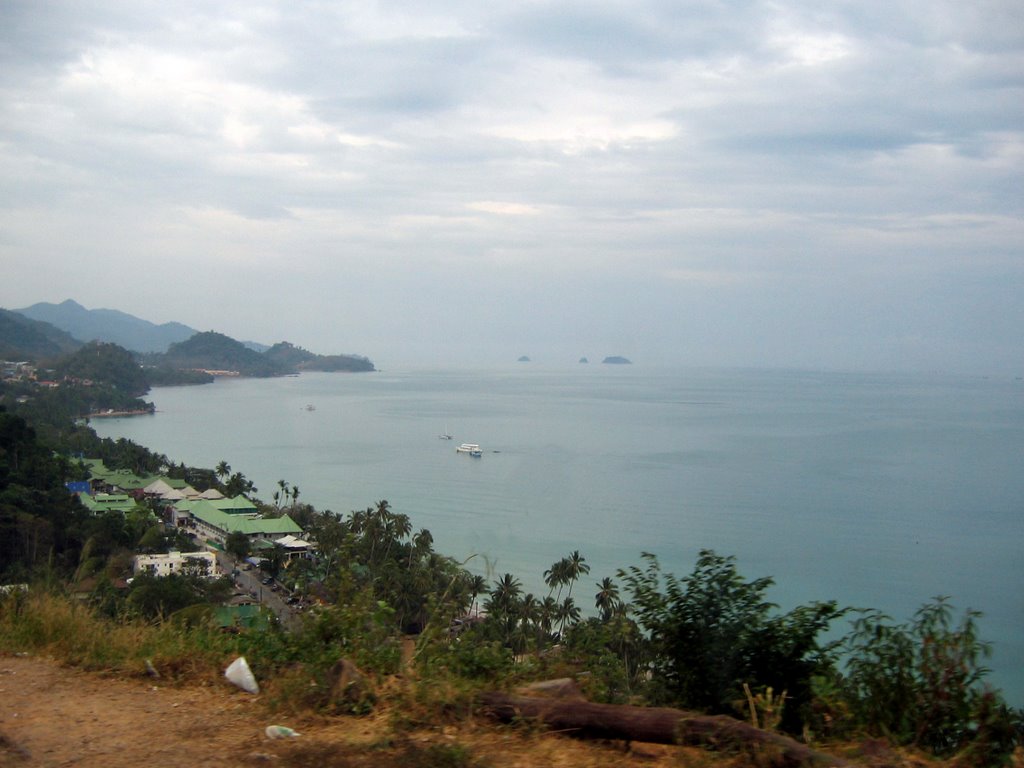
504	209
775	156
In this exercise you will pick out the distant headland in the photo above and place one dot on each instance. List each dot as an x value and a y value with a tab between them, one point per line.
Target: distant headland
616	360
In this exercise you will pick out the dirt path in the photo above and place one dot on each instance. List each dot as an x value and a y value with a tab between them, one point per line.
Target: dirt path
51	716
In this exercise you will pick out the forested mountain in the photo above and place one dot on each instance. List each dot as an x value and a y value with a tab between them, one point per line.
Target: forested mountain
41	332
333	363
288	355
22	338
215	351
108	364
109	325
298	359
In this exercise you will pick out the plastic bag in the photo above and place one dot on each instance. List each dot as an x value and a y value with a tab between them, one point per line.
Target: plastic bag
238	672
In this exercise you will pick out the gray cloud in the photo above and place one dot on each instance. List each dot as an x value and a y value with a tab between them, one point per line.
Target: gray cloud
738	183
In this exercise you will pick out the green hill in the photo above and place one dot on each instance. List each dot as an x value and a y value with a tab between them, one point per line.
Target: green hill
216	352
103	363
22	338
288	356
338	363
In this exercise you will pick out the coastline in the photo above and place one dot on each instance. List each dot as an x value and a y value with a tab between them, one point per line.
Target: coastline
110	414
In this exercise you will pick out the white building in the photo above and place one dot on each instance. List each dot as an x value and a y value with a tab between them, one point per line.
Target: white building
176	562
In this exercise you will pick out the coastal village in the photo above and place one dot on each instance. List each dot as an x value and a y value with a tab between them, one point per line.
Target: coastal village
207	519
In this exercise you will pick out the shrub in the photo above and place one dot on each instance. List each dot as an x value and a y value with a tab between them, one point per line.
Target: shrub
921	682
713	631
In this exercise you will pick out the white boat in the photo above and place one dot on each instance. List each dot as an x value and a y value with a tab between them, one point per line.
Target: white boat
446	435
471	448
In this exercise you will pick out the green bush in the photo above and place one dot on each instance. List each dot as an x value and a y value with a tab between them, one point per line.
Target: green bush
921	683
713	631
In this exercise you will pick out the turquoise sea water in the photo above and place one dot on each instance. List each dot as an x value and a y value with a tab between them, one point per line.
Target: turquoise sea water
878	491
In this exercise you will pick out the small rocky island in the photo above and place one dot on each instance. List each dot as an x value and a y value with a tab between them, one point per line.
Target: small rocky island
584	360
524	359
616	360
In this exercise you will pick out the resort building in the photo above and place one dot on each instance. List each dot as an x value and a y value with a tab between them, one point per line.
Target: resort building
181	512
168	488
294	547
176	563
108	502
216	519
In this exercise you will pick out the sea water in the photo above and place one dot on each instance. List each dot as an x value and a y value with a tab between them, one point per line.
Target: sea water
876	491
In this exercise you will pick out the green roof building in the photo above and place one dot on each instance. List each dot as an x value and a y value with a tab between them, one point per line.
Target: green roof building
239	505
108	502
216	524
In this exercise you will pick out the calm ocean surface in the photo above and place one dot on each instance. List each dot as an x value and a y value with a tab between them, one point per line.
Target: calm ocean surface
872	490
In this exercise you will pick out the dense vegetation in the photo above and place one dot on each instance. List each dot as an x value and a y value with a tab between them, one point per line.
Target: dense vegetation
106	365
25	339
708	640
288	357
215	351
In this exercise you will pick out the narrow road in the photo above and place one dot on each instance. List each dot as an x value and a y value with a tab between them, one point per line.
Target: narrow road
250	581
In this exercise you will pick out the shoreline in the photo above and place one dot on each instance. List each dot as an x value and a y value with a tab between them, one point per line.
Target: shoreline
115	414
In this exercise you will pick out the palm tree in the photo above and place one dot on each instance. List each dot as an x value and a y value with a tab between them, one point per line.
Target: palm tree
237	485
568	612
503	604
505	593
358	521
223	469
546	615
397	527
477	584
576	567
607	598
556	576
529	615
421	543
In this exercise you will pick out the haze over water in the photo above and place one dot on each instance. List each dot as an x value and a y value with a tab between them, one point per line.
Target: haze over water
873	490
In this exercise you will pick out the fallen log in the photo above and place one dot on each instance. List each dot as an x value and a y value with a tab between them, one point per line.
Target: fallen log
657	725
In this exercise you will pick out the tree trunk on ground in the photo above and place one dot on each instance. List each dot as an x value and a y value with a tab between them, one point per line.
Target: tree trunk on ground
659	726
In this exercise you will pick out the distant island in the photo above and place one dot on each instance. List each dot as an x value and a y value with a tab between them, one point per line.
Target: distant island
524	359
616	360
584	360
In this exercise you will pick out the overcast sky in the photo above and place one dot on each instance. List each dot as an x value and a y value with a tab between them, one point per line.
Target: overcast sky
789	184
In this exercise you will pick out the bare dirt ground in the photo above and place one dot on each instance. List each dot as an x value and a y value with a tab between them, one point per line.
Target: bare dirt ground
55	716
